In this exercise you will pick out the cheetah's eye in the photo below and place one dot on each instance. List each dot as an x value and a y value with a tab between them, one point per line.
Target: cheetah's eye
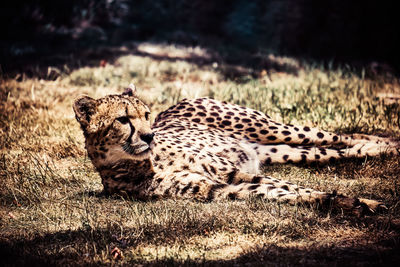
146	115
123	120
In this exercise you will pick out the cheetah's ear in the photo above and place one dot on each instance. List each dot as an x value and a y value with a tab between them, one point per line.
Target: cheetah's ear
84	108
130	91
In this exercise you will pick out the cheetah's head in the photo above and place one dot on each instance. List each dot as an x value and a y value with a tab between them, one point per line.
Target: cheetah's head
115	127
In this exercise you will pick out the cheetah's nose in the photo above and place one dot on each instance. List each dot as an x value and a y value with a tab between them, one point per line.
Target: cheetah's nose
147	137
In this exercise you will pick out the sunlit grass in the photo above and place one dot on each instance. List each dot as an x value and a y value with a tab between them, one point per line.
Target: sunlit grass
52	209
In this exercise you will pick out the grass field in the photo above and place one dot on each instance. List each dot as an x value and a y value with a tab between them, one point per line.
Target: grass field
52	210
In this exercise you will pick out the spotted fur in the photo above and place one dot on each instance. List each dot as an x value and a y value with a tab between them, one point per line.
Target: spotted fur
209	150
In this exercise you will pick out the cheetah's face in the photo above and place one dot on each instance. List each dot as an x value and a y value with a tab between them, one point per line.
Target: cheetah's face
117	125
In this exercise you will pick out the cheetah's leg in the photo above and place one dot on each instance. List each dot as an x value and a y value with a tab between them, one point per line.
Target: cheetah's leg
195	186
339	200
297	135
268	154
256	127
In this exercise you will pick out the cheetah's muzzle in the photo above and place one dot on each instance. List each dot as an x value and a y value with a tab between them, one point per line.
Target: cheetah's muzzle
143	147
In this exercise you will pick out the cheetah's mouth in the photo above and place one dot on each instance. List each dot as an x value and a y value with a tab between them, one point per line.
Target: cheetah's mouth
135	149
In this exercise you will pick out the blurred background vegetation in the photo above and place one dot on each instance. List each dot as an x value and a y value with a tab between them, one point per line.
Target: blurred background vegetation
355	32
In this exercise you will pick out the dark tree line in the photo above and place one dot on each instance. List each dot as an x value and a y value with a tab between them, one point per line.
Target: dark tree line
344	30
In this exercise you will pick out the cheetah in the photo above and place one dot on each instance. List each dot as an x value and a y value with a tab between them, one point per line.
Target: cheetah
206	150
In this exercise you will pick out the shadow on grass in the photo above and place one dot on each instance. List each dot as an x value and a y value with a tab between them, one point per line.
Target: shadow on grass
84	247
382	253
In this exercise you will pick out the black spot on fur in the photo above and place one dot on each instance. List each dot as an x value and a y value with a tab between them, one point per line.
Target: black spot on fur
211	193
285	187
186	188
253	187
271	137
256	179
212	169
232	196
231	177
196	189
227	123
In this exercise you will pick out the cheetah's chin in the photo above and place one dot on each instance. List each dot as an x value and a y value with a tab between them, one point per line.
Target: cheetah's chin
142	150
136	150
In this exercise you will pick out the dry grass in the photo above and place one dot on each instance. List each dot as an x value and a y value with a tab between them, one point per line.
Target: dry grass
52	210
